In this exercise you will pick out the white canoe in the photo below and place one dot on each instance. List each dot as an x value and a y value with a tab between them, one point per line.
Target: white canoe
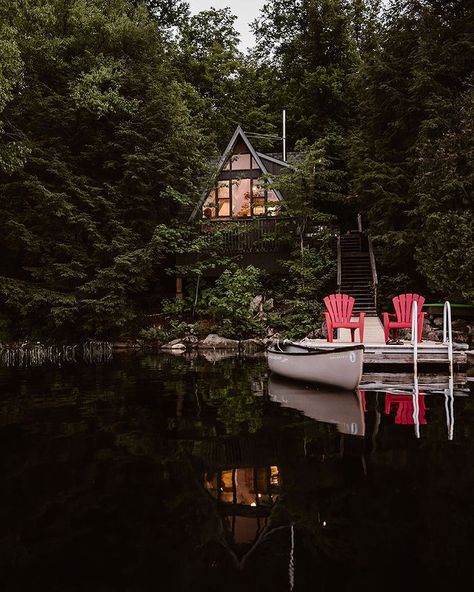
339	407
339	366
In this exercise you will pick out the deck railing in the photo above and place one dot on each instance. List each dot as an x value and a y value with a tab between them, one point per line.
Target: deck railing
256	235
252	235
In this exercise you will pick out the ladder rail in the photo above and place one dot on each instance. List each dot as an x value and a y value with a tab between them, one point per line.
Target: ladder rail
414	336
448	333
416	389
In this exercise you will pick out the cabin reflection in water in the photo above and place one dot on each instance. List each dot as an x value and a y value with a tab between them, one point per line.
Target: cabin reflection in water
245	496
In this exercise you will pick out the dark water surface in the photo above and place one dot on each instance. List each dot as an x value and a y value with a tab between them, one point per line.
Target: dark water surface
155	472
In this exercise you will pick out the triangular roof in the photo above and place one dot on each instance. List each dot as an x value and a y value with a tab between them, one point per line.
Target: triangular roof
259	158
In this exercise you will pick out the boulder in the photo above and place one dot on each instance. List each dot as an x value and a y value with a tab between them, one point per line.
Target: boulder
252	344
268	304
190	340
432	335
174	344
213	341
318	333
460	337
459	325
256	304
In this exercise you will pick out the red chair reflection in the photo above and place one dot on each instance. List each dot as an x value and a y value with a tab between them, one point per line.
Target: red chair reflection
405	409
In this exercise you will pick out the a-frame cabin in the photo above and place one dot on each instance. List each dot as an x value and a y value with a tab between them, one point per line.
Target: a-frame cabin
242	202
238	192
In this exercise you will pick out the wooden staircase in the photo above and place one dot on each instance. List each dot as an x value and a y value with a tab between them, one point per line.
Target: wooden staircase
356	271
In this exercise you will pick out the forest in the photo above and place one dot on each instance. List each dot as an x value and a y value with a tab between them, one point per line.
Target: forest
112	116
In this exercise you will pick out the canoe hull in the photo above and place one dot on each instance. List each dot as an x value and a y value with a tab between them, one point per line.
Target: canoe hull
339	366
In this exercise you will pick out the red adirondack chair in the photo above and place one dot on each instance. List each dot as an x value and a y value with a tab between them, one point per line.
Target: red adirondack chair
402	317
339	314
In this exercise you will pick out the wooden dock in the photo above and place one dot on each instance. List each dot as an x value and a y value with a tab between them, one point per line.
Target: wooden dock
378	353
430	353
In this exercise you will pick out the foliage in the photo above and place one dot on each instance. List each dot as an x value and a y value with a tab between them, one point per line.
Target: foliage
228	302
167	331
108	131
225	87
444	186
309	276
407	152
112	113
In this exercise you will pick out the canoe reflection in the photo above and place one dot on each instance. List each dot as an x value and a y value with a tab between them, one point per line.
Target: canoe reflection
335	406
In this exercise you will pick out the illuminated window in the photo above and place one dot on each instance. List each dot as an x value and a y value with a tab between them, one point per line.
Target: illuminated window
241	198
238	193
241	162
223	198
258	200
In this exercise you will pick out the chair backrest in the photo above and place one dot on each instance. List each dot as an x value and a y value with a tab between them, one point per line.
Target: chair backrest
339	306
403	304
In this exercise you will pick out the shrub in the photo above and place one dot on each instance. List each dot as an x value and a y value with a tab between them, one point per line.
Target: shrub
229	301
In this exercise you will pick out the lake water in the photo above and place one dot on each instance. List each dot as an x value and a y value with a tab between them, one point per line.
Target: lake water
155	472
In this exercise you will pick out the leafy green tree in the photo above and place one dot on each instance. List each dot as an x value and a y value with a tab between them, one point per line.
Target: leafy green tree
407	90
310	46
12	147
108	132
312	189
445	186
230	299
225	89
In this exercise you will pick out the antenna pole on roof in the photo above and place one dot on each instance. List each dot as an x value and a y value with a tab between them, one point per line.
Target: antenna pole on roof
284	135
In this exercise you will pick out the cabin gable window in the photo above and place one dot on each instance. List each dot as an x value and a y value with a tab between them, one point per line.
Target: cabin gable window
238	192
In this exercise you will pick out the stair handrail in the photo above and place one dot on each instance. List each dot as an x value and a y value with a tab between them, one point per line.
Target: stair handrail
414	337
448	333
339	263
373	267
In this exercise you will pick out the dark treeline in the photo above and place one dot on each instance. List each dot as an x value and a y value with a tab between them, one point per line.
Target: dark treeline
113	111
